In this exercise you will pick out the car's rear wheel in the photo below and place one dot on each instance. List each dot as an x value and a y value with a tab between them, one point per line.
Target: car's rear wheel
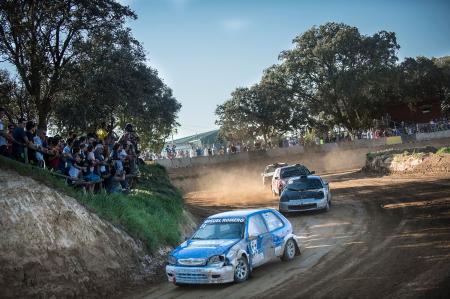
289	250
242	270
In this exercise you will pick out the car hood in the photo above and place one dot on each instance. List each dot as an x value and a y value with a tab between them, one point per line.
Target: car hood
203	248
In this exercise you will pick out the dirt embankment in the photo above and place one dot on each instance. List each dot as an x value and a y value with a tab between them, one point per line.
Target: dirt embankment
416	161
51	246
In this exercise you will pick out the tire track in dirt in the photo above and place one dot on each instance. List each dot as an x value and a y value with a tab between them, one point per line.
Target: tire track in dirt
383	237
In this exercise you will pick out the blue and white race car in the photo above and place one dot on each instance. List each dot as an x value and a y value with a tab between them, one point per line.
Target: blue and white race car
228	246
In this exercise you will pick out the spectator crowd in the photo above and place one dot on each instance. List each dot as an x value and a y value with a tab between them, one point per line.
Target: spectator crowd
92	161
312	138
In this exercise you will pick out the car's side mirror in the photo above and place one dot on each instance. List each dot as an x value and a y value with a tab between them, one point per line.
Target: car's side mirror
313	172
186	238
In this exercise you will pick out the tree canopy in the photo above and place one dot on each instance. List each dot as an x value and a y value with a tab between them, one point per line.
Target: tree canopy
334	76
342	75
80	67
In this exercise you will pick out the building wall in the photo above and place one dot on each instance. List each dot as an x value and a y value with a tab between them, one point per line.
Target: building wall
419	113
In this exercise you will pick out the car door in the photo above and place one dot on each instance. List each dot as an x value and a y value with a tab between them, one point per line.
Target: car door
260	245
276	176
276	228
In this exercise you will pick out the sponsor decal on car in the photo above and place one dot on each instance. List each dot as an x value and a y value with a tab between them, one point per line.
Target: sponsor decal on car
225	220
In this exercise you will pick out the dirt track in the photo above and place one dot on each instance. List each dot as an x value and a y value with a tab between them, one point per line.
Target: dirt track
384	237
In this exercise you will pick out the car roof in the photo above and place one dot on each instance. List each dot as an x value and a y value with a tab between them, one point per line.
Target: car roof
239	213
277	165
292	166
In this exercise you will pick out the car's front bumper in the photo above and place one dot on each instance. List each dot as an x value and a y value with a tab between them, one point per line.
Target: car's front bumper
298	205
200	275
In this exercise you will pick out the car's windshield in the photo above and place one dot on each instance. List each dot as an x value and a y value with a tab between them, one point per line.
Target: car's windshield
293	171
270	169
219	230
305	184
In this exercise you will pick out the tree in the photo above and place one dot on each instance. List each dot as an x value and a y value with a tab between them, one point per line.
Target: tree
443	63
343	77
14	98
235	126
6	88
421	80
268	109
275	108
40	39
112	81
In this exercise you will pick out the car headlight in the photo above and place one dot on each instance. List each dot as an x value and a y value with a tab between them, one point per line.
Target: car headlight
216	260
172	260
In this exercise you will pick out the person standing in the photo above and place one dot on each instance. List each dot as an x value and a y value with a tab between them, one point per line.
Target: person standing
3	141
30	133
40	142
20	140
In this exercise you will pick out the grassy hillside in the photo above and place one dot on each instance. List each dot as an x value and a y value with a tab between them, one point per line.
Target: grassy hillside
151	213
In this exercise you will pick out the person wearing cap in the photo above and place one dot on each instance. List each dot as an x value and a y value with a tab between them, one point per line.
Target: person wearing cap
130	135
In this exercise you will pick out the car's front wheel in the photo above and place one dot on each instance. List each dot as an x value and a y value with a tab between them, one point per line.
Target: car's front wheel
289	250
242	270
327	207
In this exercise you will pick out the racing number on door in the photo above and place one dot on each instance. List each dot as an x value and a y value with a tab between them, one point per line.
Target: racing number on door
257	229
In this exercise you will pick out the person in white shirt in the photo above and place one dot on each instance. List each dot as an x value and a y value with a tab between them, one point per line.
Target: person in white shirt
38	140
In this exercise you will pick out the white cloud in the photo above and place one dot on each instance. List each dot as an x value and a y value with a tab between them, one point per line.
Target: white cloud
234	25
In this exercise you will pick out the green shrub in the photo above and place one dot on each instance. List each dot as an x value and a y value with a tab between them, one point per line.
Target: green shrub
151	213
444	150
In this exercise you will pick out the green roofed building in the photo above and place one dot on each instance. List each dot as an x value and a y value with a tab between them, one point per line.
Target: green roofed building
201	140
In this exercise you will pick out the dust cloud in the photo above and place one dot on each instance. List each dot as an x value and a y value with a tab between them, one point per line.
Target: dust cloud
234	187
240	184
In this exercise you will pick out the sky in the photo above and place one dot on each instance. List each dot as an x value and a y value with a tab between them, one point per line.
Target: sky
203	50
